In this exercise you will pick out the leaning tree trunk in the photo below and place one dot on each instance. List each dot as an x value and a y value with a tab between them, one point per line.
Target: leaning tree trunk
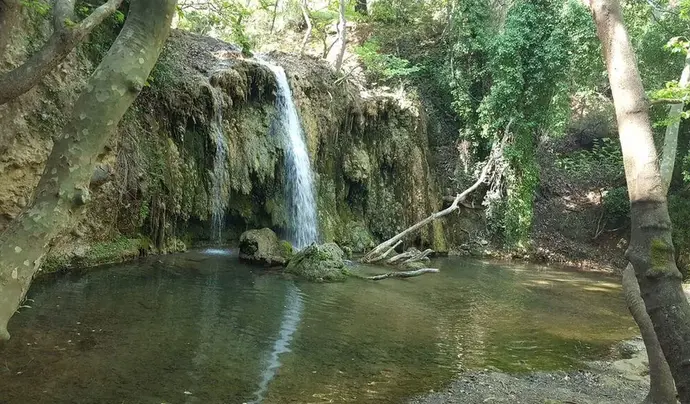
661	387
651	248
65	38
64	186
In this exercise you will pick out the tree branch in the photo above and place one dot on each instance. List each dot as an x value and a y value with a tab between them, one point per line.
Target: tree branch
666	101
22	79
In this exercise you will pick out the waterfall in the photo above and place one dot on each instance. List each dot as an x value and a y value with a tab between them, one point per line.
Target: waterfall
300	185
219	189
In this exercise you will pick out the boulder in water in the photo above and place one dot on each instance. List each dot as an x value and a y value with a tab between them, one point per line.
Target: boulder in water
263	247
319	263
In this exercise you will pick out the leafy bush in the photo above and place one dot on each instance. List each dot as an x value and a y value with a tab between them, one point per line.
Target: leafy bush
604	157
383	65
617	206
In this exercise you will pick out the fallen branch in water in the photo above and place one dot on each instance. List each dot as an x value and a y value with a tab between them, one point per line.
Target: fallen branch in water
377	254
402	274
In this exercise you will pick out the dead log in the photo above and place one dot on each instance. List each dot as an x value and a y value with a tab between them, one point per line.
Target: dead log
422	256
384	255
400	257
402	274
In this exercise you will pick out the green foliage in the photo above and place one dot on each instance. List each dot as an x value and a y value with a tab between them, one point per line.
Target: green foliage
228	18
529	61
604	157
686	168
144	212
103	35
384	65
41	7
616	206
679	210
395	11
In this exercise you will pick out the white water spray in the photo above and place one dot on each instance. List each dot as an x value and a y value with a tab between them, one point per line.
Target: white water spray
219	191
300	184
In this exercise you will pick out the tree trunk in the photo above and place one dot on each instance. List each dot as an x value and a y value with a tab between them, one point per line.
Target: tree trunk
275	14
342	32
307	35
22	79
64	186
671	139
661	388
651	249
9	17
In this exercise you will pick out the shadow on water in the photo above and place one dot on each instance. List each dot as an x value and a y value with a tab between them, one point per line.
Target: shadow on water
202	327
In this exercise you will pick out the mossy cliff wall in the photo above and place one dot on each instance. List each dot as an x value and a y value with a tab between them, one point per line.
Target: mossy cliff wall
153	183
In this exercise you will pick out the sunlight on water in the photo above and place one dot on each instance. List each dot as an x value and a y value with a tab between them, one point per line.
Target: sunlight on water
217	251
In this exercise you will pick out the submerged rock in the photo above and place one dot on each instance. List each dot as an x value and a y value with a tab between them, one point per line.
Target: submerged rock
319	263
263	247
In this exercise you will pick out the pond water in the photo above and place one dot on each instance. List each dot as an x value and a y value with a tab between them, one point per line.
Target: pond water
203	328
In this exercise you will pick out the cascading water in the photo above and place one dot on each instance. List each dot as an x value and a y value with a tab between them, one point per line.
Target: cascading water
219	189
300	185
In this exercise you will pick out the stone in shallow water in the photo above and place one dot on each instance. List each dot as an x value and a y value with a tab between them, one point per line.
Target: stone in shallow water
263	247
319	263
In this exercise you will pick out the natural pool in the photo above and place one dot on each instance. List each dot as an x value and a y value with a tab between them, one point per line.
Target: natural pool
203	328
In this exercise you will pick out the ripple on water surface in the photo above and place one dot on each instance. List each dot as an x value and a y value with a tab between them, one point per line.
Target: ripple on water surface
202	327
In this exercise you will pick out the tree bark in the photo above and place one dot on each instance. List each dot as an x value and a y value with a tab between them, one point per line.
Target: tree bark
307	20
64	186
63	40
651	249
342	32
661	387
9	16
668	160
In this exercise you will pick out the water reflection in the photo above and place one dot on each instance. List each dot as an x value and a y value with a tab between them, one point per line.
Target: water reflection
288	326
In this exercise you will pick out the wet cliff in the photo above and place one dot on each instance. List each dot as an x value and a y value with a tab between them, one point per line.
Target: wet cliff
153	185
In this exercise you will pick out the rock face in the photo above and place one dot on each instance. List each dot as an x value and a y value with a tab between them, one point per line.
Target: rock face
263	247
369	150
319	263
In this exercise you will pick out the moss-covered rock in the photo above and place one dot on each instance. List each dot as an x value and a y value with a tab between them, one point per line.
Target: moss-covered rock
357	166
357	237
90	255
263	247
319	263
